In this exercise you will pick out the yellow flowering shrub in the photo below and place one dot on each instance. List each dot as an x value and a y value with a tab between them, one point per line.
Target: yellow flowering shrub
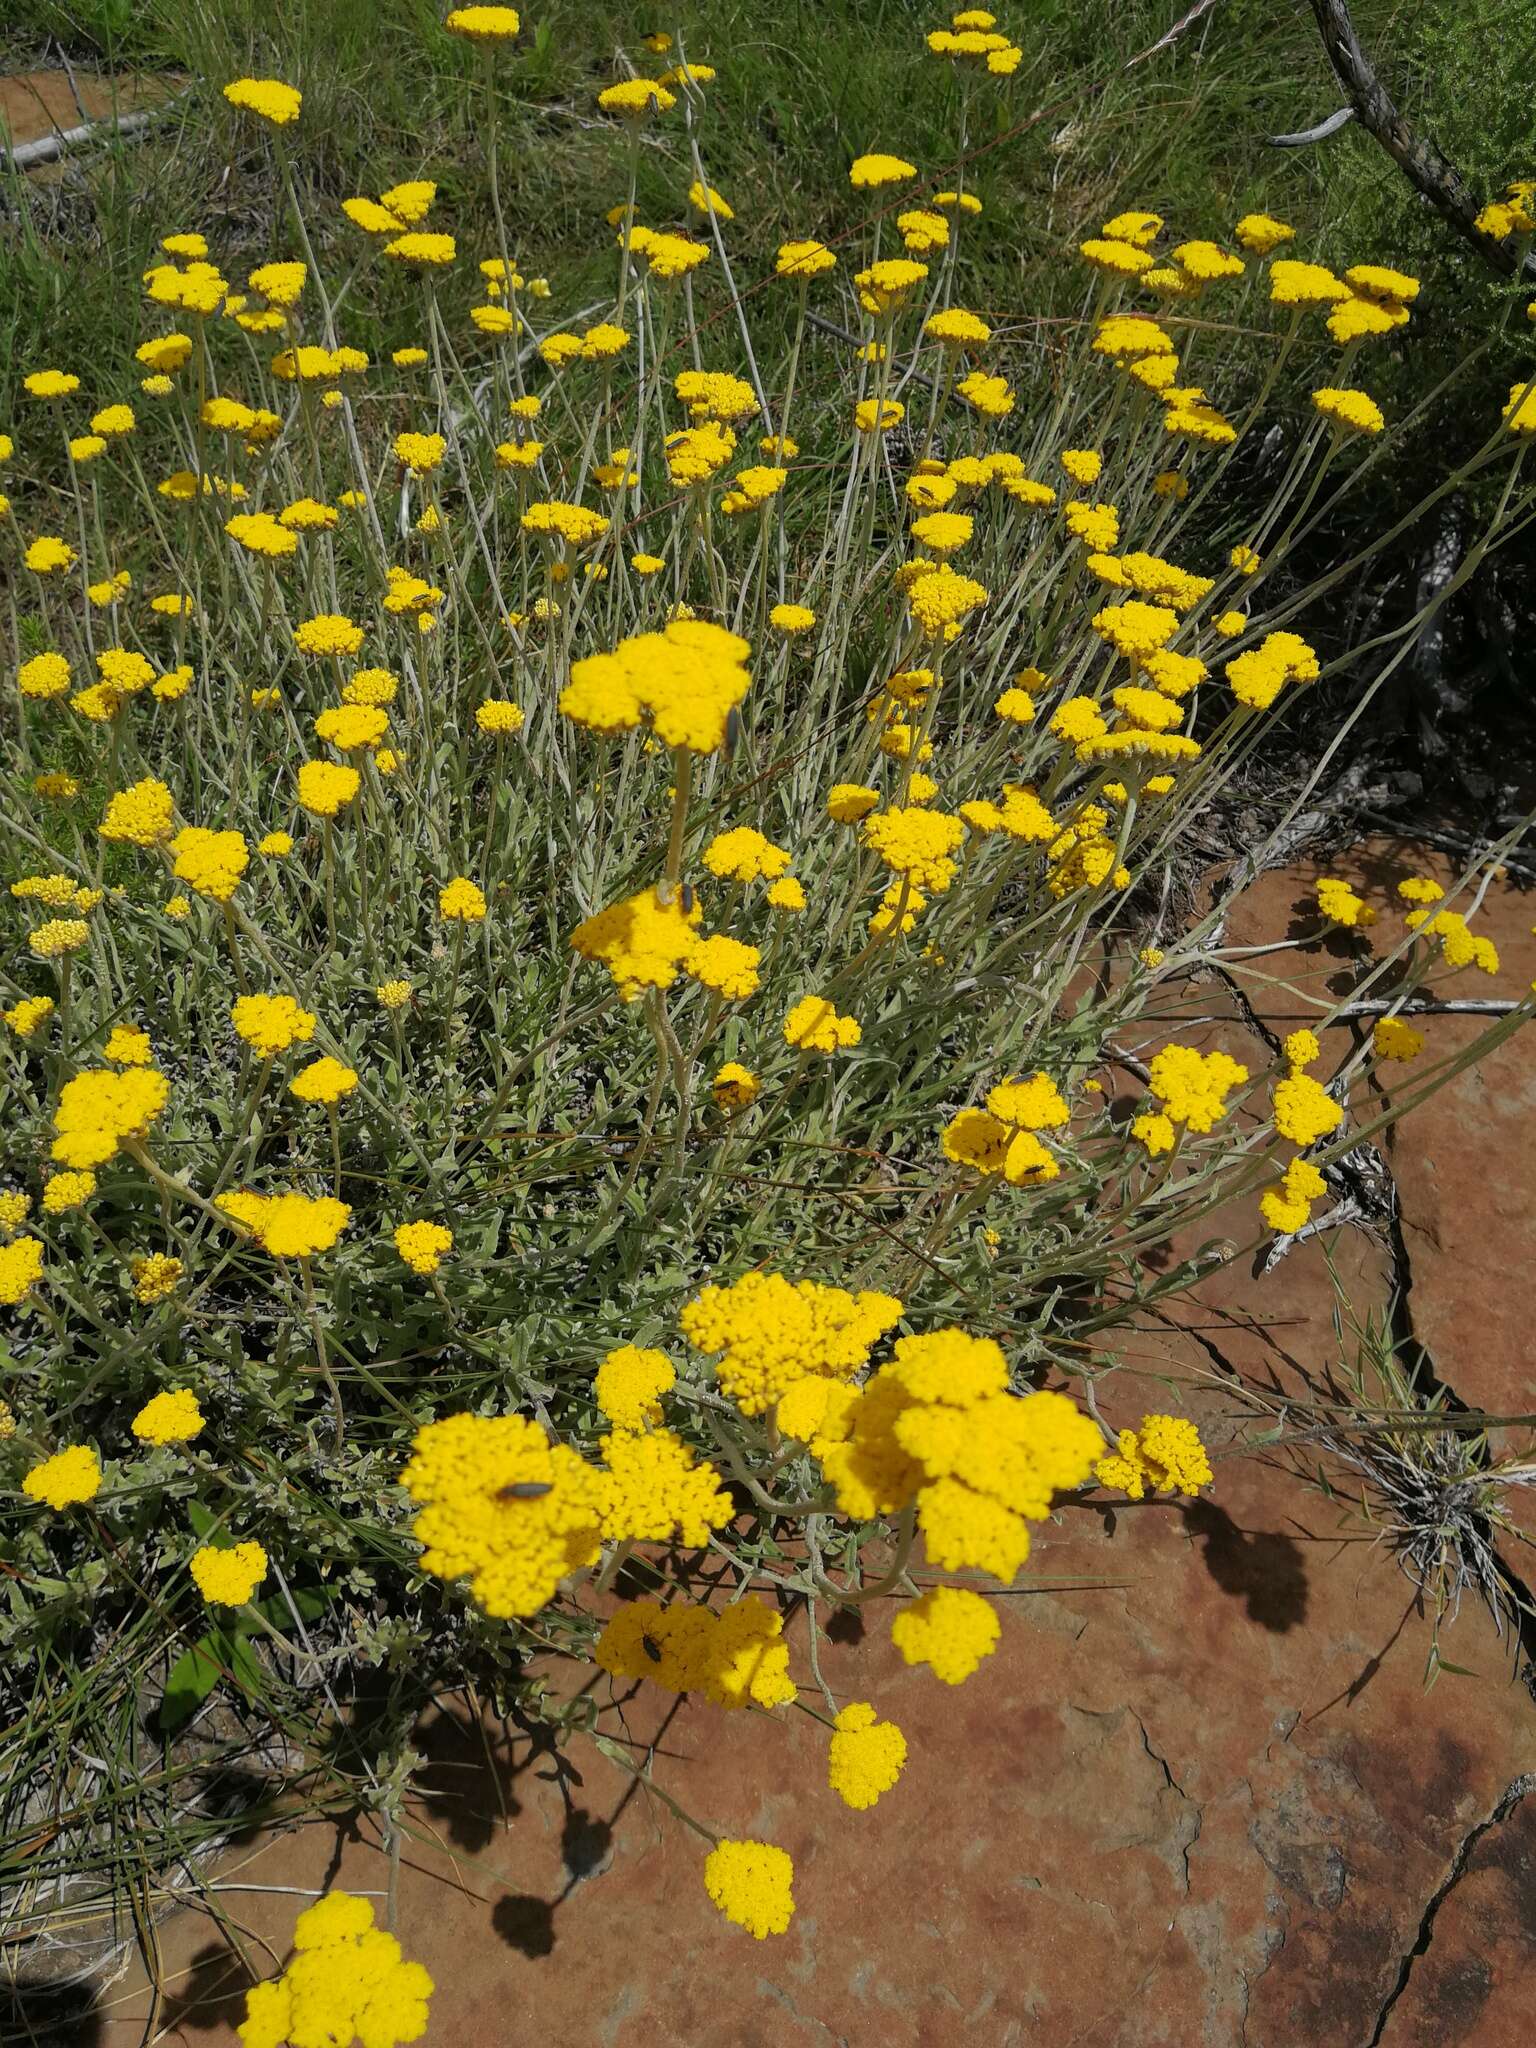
567	946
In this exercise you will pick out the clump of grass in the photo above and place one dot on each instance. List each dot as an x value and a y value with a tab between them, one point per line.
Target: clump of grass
1426	1478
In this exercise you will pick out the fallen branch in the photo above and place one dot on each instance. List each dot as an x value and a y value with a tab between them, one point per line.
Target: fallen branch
1421	163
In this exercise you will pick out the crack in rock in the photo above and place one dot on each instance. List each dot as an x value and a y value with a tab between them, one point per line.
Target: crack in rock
1174	1785
784	1998
1509	1800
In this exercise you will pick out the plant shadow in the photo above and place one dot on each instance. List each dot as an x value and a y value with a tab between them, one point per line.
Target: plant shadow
50	2016
1261	1567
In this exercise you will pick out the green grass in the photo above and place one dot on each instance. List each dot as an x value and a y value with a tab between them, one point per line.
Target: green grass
801	91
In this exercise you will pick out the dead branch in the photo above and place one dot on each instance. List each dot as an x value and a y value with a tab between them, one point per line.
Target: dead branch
1419	160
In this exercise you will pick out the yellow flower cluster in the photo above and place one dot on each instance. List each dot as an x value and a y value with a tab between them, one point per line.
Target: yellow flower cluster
1001	1138
654	1491
1393	1039
169	1418
629	1383
686	680
140	816
735	1086
99	1109
735	1657
1304	1110
290	1226
349	1980
645	942
1257	676
919	845
772	1332
325	1080
503	1507
1191	1088
155	1277
69	1478
1460	947
423	1246
939	1427
211	863
267	97
271	1024
1355	412
228	1577
949	1629
462	902
1165	1456
1339	903
1287	1206
743	854
865	1757
751	1883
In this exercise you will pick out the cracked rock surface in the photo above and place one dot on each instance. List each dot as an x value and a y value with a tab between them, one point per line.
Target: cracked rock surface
1199	1799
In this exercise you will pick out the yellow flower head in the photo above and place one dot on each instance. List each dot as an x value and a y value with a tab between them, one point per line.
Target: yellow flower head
686	681
484	24
155	1277
948	1629
813	1025
268	98
645	941
804	260
423	1246
98	1110
422	250
870	172
271	1024
633	98
735	1086
228	1578
751	1883
500	1505
324	1081
629	1383
171	1418
211	863
325	788
66	1480
1165	1456
461	902
865	1757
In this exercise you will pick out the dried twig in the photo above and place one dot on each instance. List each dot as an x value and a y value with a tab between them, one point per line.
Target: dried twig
1201	7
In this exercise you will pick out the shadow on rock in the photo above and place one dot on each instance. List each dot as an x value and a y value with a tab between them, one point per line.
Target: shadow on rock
1261	1567
50	2015
211	1996
525	1923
